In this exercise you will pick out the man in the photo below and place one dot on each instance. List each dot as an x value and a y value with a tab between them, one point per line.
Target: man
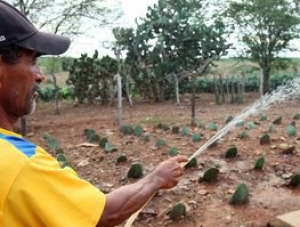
34	190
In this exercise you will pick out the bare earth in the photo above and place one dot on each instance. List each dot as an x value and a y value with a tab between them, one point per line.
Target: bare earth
207	202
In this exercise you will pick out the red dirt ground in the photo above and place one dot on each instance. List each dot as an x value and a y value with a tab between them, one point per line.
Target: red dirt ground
207	202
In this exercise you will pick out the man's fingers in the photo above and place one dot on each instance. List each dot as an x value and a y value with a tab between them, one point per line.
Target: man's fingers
181	158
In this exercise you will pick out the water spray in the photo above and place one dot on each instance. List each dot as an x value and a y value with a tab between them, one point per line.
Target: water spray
290	90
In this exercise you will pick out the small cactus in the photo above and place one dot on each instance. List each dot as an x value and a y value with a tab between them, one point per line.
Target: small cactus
271	128
127	129
264	139
228	119
122	159
202	125
296	116
185	131
177	211
240	196
94	138
212	126
295	180
259	163
210	175
291	130
160	143
231	152
163	126
103	141
173	151
250	125
138	130
196	137
277	121
109	148
88	132
135	171
61	158
263	117
192	163
243	135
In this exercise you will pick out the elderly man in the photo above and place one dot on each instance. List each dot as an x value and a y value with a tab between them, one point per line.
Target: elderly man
34	190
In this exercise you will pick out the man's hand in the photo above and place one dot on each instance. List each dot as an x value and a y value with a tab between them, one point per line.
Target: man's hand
169	172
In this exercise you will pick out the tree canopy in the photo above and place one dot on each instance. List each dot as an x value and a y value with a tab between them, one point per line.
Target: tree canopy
266	28
65	16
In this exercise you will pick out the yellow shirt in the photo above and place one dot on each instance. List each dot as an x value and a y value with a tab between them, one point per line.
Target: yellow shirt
36	192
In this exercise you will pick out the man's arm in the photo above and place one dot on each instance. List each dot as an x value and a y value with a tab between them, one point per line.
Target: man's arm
123	202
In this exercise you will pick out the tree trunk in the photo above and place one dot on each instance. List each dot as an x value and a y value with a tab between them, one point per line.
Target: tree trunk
177	90
193	103
128	93
266	76
119	86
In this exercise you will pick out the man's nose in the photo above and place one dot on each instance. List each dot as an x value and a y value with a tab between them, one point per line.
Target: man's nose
40	77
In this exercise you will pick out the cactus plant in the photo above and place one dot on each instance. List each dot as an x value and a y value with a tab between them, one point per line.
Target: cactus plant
240	196
138	130
296	116
103	141
243	135
231	152
250	125
122	158
61	158
259	163
135	171
185	131
192	163
212	126
109	148
295	180
88	132
210	175
291	130
264	139
202	125
263	117
160	142
173	151
163	126
196	137
271	128
277	121
228	119
127	129
177	211
94	138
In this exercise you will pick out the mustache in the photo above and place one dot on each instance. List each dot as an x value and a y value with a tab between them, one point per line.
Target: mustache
36	88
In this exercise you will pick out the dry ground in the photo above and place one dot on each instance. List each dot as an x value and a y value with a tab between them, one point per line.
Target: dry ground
207	203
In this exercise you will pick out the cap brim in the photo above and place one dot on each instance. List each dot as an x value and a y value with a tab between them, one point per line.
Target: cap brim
46	43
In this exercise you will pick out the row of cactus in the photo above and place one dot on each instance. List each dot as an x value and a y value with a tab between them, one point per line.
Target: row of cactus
53	145
93	137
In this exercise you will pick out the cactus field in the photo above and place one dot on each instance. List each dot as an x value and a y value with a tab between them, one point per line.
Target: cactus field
244	179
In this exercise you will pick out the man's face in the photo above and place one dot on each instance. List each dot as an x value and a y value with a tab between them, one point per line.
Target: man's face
19	83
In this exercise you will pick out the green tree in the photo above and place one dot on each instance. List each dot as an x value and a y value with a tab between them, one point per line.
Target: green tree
266	28
172	43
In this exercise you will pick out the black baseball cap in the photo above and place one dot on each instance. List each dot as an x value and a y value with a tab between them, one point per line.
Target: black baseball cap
16	29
